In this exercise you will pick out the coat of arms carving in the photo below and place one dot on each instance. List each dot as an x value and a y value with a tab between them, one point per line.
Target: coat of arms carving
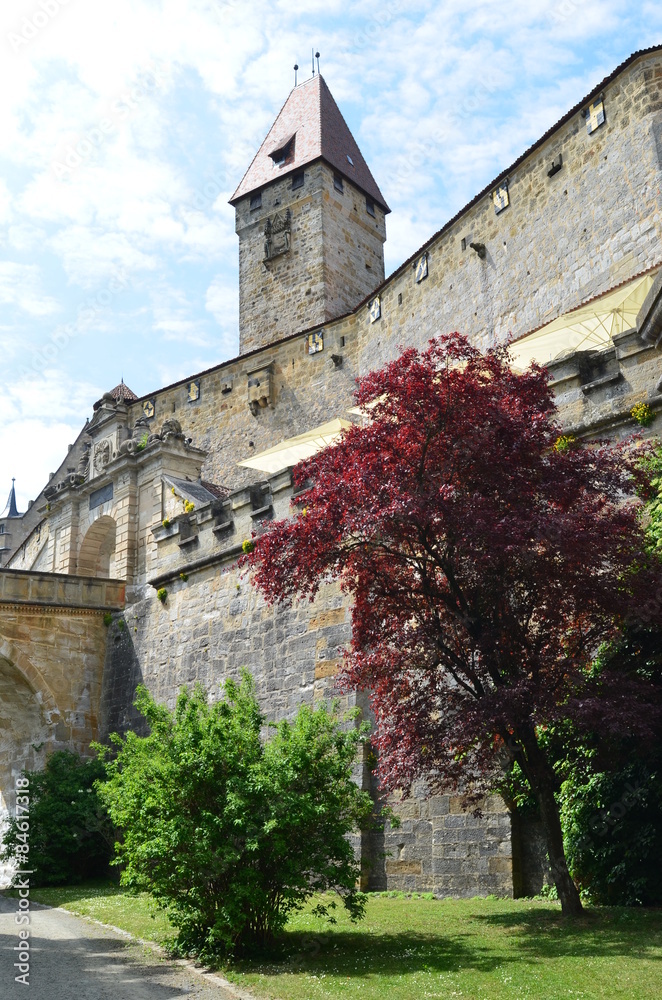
277	234
102	455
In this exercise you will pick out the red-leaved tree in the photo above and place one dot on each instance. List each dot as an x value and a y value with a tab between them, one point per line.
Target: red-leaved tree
485	566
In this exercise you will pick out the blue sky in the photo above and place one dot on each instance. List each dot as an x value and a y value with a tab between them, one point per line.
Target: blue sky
126	126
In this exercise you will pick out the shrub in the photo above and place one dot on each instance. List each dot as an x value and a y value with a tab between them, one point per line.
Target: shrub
230	834
162	594
613	835
70	834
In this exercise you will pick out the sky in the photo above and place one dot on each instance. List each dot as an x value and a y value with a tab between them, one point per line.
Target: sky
125	127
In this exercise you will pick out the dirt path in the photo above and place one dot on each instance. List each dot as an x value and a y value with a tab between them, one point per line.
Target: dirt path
74	959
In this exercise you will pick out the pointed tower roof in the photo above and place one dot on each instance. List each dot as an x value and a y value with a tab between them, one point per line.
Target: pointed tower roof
123	394
11	510
309	127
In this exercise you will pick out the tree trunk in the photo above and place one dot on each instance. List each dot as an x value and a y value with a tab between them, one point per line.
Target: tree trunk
571	905
542	781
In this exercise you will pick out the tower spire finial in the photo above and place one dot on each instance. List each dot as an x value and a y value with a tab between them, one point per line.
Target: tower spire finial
317	56
11	510
296	68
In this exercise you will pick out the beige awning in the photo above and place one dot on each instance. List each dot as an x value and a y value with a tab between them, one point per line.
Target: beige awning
293	450
591	327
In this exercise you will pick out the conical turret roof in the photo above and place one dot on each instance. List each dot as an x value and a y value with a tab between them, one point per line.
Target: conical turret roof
11	510
309	127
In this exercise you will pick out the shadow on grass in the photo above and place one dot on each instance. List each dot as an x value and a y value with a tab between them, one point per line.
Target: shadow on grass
599	933
359	955
494	941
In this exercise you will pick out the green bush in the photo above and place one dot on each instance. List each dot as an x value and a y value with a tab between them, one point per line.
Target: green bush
229	833
70	834
613	834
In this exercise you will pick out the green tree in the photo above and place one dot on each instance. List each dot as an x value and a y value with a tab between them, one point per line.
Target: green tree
70	834
231	833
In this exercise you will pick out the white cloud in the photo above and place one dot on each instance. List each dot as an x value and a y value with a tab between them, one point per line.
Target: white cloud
20	285
222	302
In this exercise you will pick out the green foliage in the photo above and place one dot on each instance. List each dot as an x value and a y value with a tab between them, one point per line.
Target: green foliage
231	834
108	619
247	546
162	595
70	834
142	444
653	508
613	834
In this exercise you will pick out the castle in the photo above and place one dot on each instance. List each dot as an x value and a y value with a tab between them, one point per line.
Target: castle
157	494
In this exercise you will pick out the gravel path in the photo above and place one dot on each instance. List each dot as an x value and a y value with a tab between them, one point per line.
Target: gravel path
75	959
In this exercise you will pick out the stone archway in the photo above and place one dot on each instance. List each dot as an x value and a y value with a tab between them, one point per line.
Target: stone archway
97	556
26	734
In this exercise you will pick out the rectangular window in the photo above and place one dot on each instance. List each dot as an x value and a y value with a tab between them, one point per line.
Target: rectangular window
297	180
370	207
337	182
256	201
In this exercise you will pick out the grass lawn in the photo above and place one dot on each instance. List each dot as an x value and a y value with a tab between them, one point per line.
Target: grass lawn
408	948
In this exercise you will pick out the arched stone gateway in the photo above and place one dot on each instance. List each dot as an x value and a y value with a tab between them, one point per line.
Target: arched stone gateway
25	738
97	551
52	649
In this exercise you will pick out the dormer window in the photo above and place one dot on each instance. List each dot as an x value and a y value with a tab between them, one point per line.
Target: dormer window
284	153
297	179
350	160
256	201
370	207
337	182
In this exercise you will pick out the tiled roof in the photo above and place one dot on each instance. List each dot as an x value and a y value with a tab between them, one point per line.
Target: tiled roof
310	117
122	393
220	492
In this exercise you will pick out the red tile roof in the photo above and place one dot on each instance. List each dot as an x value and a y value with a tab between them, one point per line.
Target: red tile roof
123	394
310	116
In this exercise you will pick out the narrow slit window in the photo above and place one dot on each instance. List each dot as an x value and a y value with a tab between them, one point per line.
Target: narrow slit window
370	207
297	180
256	201
338	183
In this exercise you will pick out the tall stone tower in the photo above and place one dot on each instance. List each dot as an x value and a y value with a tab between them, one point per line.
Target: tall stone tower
311	222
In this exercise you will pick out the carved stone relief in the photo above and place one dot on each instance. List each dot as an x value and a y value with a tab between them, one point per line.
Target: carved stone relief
103	451
277	234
